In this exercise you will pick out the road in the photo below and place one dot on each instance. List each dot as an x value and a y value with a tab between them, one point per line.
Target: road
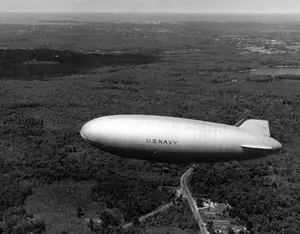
184	191
142	218
163	208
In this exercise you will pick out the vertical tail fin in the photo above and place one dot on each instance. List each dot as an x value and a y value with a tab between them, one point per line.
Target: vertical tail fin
256	126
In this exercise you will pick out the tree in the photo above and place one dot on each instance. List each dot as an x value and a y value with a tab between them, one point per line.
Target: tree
91	224
80	212
135	221
210	225
230	230
249	225
108	219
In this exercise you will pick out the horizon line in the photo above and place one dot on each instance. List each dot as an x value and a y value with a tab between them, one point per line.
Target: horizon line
162	12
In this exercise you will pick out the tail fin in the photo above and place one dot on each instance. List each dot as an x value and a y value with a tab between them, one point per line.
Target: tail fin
256	126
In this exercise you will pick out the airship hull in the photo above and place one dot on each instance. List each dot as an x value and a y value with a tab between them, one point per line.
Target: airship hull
169	139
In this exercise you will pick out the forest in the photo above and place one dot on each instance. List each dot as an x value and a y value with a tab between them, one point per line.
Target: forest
48	63
51	179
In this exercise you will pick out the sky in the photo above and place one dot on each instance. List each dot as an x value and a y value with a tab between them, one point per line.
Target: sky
203	6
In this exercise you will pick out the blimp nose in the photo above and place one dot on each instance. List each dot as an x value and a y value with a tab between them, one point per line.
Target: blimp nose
90	130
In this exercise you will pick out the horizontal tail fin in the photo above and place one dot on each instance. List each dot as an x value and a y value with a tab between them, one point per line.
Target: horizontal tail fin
256	126
260	147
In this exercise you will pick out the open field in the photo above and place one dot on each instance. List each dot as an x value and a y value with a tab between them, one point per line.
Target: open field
190	70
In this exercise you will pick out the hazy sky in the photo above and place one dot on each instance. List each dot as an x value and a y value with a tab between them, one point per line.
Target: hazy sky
226	6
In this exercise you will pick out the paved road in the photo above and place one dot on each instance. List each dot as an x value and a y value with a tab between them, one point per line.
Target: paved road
187	194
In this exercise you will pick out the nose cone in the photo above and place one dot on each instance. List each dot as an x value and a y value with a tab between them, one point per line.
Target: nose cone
91	131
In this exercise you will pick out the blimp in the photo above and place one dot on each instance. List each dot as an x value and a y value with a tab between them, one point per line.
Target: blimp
180	140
